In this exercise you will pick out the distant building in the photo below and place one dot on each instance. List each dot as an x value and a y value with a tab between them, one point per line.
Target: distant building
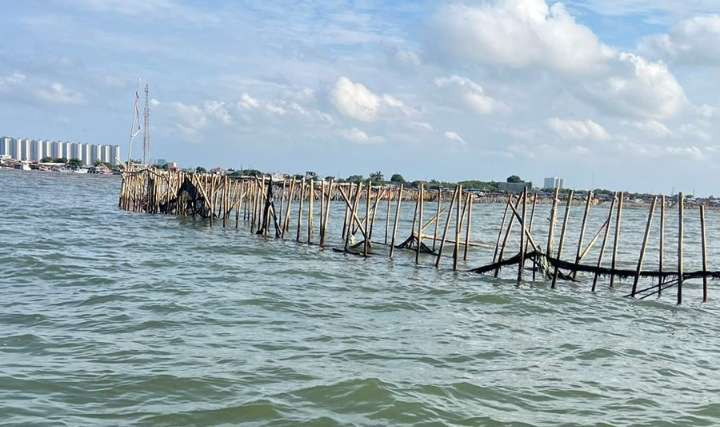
553	183
24	149
36	150
115	155
86	150
5	143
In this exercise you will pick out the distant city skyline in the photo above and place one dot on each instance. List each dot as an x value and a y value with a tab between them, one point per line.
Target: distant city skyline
34	150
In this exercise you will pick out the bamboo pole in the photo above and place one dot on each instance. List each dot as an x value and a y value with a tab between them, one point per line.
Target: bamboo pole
456	249
387	218
521	264
467	227
366	241
704	253
500	231
582	232
395	224
605	237
530	225
551	227
616	242
286	221
562	236
661	253
644	245
681	208
507	235
437	217
445	228
300	206
323	232
420	220
311	213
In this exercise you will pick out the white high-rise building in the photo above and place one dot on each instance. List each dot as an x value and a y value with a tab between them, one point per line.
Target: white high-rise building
105	153
553	183
94	154
76	151
87	152
115	155
5	145
47	148
56	151
24	149
68	150
36	151
15	149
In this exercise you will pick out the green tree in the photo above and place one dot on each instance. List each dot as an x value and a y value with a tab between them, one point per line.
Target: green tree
355	178
200	169
74	163
46	160
397	178
377	177
514	178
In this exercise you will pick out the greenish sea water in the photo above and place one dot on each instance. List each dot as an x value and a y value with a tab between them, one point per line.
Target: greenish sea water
116	318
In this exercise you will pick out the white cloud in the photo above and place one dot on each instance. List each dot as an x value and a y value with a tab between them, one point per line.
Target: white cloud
453	136
56	93
470	94
407	57
359	137
652	128
530	35
694	41
577	129
11	80
518	34
637	87
219	111
356	101
247	102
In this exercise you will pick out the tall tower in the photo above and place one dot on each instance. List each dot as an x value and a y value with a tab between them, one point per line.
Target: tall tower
146	129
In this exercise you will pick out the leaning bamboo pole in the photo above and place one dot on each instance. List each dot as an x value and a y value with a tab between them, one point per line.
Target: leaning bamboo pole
395	223
644	245
562	237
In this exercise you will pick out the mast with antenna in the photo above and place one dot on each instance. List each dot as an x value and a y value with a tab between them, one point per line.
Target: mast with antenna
146	129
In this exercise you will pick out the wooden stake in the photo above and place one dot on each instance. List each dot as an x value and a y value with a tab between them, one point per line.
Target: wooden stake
616	242
311	214
387	218
605	237
445	229
420	220
500	231
644	245
681	208
551	227
395	224
562	236
437	217
467	227
457	229
582	232
300	206
521	264
661	253
704	253
366	241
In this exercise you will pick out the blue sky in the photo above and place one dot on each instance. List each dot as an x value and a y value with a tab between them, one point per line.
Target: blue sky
619	94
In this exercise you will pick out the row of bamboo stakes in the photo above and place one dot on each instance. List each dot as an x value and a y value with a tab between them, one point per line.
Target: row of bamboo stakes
217	197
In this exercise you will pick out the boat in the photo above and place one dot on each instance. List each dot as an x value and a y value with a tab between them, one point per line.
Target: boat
23	166
80	170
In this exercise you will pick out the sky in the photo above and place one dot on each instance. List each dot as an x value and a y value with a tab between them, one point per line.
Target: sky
616	94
